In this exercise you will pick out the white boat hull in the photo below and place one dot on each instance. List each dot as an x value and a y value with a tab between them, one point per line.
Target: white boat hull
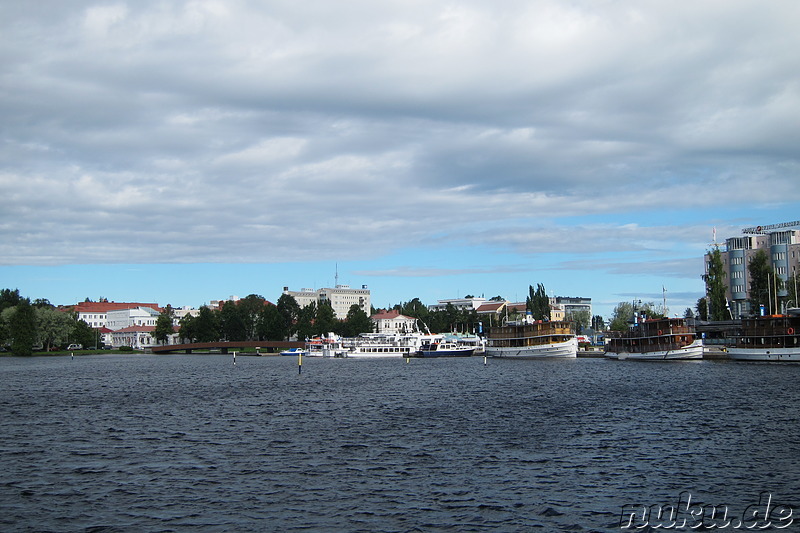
567	349
764	354
688	352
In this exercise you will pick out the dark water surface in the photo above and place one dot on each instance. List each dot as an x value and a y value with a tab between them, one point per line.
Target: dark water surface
194	443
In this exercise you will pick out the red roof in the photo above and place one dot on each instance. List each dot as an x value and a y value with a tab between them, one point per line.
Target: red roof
389	315
135	329
105	307
490	307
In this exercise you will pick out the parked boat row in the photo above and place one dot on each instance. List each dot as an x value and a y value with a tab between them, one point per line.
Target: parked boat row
763	338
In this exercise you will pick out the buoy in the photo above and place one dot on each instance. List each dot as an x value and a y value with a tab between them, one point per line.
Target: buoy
234	358
299	362
484	359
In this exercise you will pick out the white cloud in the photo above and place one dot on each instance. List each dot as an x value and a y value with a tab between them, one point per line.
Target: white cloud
187	130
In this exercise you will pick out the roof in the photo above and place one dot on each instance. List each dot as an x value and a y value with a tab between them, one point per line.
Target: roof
135	329
490	307
390	315
105	307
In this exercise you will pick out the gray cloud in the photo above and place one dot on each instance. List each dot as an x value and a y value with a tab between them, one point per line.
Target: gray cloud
186	131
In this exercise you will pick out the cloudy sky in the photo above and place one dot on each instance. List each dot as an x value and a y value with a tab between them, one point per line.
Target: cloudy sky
184	151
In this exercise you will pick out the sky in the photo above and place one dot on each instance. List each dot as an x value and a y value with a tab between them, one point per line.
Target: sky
179	152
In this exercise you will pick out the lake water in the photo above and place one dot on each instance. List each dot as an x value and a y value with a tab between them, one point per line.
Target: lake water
196	443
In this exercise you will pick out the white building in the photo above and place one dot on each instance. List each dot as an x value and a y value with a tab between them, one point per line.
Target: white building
96	313
461	304
125	318
341	298
138	337
393	322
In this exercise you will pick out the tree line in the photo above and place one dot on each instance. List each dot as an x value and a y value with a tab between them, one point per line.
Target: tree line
253	318
27	325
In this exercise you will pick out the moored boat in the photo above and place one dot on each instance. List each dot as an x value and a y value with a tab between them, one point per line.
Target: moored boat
530	339
294	351
374	345
445	347
768	338
660	339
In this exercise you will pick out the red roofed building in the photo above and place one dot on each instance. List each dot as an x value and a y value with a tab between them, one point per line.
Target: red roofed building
393	322
96	313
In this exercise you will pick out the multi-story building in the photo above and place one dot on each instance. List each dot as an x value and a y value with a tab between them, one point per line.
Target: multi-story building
96	313
341	298
461	304
138	316
573	304
782	248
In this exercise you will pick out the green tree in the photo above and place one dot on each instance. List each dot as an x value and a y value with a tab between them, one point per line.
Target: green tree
357	322
715	286
82	333
206	326
538	303
22	328
621	317
761	278
325	319
581	317
186	328
232	325
270	324
305	321
289	310
250	308
164	327
702	309
9	298
688	313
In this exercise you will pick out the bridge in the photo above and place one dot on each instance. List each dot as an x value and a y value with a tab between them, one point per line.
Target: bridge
226	346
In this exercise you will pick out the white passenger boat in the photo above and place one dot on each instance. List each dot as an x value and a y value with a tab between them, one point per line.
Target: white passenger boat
662	339
383	345
329	345
530	339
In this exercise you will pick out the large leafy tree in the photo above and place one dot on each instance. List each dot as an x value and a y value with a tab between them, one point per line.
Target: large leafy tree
715	286
205	326
289	310
250	309
83	333
581	317
305	321
702	308
9	298
762	276
270	324
22	328
621	317
231	323
53	327
164	326
325	319
357	322
538	303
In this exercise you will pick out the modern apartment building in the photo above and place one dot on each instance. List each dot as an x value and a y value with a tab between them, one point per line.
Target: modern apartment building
341	298
782	248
